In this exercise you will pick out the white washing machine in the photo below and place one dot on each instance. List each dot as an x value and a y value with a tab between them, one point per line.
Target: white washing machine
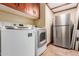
18	42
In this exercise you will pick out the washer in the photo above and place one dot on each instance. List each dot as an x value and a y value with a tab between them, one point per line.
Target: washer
17	42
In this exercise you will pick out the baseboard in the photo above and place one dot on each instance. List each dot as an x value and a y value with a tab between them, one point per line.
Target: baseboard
48	44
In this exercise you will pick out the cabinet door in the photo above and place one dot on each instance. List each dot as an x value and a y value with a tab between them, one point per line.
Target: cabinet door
21	6
12	5
31	9
36	9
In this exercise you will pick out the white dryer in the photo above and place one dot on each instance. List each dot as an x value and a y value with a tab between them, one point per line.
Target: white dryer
41	41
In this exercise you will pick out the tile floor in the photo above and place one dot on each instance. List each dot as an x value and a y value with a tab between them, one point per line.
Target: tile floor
57	51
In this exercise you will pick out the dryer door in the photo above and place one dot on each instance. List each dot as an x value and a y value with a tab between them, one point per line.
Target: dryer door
42	38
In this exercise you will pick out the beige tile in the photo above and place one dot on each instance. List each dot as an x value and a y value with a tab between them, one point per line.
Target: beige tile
57	51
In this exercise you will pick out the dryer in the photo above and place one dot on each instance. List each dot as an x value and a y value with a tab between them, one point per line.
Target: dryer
41	40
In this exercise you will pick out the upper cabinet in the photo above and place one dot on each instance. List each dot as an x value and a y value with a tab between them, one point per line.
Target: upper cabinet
31	9
12	5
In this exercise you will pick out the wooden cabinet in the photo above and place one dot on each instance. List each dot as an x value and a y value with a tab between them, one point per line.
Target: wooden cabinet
12	5
36	9
31	9
21	7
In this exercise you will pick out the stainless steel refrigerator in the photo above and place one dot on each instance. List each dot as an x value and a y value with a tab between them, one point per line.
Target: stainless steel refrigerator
62	30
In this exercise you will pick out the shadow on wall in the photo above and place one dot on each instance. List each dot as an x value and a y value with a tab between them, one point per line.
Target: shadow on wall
51	34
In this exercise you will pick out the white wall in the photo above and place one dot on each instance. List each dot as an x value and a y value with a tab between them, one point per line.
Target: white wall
13	18
41	22
48	22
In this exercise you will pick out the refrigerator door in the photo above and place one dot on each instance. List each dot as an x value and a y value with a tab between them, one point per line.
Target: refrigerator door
62	36
58	40
66	36
62	19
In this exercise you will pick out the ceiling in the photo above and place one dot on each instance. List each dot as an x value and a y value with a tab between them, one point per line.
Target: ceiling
57	7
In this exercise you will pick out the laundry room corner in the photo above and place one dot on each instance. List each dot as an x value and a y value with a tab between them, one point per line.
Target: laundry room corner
49	21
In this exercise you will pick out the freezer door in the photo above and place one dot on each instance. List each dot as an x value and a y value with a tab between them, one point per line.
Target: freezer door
62	19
